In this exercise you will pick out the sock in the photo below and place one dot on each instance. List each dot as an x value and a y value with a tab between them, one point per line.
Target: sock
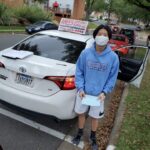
80	132
93	135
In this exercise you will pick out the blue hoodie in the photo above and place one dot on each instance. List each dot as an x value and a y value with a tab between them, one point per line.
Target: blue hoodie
96	72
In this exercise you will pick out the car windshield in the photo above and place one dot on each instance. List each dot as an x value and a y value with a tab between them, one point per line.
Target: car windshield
127	32
39	23
52	47
118	38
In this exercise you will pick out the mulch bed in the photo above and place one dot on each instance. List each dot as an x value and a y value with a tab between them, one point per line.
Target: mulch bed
106	125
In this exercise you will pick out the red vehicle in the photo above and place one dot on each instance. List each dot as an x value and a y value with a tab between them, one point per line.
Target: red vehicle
117	41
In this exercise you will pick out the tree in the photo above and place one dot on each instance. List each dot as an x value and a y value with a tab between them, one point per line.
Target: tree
99	5
109	8
145	4
30	1
40	1
123	10
88	7
5	14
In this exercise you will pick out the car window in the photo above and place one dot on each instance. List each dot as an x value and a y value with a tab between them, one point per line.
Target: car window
52	47
119	38
136	53
50	26
127	32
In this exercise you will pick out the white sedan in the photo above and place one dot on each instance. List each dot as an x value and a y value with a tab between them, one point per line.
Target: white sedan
43	81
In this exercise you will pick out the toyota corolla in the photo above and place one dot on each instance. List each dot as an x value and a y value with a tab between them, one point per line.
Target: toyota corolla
37	74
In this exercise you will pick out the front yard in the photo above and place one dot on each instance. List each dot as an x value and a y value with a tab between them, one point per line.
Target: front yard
135	132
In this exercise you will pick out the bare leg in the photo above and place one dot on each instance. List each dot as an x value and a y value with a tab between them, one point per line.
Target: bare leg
81	121
94	124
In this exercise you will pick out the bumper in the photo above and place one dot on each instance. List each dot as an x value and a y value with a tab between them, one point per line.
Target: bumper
60	105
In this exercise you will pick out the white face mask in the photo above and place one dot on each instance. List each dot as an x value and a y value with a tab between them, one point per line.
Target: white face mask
101	40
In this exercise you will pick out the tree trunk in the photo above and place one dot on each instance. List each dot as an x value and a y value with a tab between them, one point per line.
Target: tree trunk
87	14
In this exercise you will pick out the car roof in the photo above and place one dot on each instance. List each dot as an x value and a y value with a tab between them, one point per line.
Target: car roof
128	28
67	35
43	22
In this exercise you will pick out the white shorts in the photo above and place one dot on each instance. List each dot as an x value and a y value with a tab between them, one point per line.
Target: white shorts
94	111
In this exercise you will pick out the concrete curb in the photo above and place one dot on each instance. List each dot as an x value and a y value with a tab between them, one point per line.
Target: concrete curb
118	121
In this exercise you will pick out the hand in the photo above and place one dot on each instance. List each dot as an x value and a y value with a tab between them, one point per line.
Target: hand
81	94
102	97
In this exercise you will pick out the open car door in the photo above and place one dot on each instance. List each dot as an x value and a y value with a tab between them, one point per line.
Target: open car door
133	64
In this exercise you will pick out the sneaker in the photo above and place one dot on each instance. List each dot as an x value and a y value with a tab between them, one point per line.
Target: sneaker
94	146
76	140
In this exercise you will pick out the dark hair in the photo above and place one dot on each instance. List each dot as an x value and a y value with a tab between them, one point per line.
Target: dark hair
106	27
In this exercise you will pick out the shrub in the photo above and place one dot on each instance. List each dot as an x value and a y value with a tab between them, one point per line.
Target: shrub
31	14
5	14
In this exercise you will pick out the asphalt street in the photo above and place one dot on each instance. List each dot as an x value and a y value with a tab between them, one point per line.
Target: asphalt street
7	40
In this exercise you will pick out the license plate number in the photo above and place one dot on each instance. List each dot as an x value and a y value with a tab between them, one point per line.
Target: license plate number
24	79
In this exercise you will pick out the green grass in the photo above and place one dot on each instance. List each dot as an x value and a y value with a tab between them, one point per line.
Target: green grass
135	132
92	25
140	53
4	29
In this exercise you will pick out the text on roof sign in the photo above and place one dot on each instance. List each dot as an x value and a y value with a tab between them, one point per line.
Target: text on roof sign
72	25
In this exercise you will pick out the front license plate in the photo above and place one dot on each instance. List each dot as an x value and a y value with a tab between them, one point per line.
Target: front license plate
24	79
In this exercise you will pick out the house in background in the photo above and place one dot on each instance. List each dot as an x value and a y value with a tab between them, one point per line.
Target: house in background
13	3
73	9
67	9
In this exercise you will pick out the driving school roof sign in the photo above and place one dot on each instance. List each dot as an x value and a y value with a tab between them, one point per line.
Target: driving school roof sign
72	25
